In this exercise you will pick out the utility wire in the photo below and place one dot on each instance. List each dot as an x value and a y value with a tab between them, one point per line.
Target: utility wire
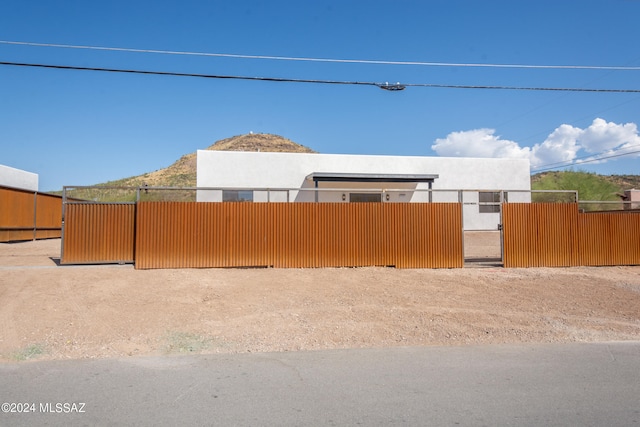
573	163
602	153
330	60
557	89
174	74
386	85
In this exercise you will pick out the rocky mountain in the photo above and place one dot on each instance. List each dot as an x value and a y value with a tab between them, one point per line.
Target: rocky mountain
183	172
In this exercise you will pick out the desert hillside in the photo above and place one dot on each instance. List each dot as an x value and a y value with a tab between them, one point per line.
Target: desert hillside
183	172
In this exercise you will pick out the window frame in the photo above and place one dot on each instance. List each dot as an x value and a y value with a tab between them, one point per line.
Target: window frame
237	196
489	201
365	196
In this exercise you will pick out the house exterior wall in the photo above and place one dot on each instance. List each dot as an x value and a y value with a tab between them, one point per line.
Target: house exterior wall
251	170
16	178
632	196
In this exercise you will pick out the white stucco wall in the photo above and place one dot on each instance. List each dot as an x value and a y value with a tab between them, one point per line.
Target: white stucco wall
236	169
17	178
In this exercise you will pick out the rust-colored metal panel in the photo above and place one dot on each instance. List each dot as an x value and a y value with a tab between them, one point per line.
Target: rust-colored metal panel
196	235
48	216
540	234
408	235
98	233
425	235
292	241
294	235
16	215
609	239
28	215
328	235
48	211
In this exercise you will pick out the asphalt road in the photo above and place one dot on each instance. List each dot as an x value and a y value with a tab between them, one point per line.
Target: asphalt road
536	385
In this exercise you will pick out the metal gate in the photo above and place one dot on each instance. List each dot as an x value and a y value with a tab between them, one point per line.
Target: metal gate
293	235
98	233
178	234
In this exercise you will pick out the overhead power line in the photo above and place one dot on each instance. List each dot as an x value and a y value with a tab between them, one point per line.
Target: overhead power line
564	163
525	88
328	60
207	76
386	85
573	162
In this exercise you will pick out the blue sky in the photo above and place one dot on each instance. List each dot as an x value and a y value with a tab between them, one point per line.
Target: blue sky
83	128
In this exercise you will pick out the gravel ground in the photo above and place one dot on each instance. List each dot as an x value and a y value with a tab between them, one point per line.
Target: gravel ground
49	311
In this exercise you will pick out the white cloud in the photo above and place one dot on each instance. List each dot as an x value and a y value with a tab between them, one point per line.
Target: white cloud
562	145
603	136
478	143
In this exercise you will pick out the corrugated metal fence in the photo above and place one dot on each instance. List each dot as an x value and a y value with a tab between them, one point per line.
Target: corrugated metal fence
29	215
558	235
99	233
609	238
185	234
405	235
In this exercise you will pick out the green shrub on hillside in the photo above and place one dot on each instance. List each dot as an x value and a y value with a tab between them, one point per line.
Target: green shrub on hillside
589	186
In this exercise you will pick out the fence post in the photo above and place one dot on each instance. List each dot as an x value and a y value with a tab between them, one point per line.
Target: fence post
62	227
35	215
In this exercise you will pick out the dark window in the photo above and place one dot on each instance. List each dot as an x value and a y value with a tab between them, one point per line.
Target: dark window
489	201
365	197
237	196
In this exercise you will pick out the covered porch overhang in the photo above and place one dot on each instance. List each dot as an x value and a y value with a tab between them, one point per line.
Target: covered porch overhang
318	177
370	177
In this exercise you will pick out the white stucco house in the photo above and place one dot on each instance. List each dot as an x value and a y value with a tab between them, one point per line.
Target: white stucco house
301	177
17	178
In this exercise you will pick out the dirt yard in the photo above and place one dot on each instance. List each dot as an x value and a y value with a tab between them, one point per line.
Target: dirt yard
64	312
